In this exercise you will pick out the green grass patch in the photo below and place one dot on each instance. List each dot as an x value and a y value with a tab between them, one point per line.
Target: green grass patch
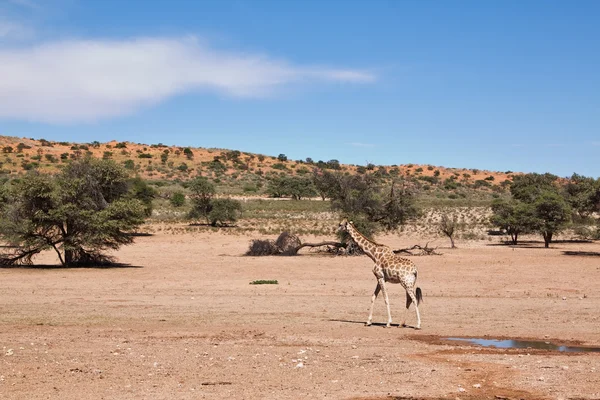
264	282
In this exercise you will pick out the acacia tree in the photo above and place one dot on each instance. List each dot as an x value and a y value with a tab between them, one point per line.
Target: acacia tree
202	193
295	187
514	216
583	194
536	206
552	214
368	201
224	212
80	212
448	226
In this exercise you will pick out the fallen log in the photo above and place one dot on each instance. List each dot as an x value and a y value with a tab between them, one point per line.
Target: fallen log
422	251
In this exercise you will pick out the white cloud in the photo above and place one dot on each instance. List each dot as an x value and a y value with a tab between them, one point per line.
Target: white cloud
78	80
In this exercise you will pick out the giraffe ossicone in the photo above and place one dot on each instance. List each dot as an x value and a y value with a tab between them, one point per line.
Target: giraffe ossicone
388	267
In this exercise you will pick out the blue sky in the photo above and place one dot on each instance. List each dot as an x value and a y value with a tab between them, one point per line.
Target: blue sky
499	85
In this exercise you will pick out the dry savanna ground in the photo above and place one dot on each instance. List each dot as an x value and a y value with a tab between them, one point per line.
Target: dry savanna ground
179	320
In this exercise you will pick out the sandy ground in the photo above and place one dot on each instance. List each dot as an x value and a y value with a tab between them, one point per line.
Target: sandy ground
181	321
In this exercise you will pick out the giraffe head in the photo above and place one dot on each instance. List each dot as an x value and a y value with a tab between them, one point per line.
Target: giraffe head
343	226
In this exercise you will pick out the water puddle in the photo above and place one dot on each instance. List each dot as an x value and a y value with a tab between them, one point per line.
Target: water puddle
525	344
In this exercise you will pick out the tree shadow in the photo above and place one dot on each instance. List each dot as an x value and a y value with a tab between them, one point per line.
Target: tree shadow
61	267
140	234
207	225
525	244
538	244
582	253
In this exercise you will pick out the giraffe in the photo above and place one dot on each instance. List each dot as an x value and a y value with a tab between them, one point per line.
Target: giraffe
388	268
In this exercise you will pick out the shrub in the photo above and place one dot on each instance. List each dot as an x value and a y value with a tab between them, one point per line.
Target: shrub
224	212
129	164
262	247
264	282
177	199
279	166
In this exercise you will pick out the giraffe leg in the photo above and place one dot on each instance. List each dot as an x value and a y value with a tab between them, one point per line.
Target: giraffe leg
413	297
387	301
408	301
375	293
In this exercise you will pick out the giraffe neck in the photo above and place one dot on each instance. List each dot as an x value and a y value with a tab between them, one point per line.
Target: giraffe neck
366	245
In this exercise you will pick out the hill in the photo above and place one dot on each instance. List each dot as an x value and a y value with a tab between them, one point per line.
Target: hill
161	162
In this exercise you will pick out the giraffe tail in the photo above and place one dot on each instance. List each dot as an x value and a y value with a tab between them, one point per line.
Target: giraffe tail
419	295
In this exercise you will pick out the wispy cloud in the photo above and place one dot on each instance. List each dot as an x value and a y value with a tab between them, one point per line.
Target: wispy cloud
30	4
77	80
11	30
358	144
595	143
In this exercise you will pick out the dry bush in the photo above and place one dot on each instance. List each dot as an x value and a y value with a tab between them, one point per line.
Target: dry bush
288	244
260	247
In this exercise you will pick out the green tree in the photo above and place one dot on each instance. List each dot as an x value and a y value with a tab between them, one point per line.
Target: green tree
529	187
224	212
552	214
80	213
139	189
583	194
295	187
541	206
282	157
202	193
514	216
324	181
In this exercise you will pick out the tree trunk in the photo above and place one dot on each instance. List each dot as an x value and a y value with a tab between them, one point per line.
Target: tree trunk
68	259
452	242
514	237
547	239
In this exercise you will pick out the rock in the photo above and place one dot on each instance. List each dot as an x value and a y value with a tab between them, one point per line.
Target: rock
300	365
477	386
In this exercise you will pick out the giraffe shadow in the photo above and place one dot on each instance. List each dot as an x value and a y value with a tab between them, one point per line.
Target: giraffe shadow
380	324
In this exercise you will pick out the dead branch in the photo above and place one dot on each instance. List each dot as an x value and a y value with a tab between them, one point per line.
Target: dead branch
332	247
422	251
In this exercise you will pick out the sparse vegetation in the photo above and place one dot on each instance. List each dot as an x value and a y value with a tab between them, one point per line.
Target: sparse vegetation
235	173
